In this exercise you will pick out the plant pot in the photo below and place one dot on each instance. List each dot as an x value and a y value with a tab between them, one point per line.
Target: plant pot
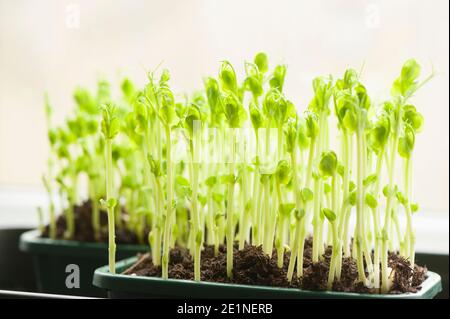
52	256
440	265
125	286
16	271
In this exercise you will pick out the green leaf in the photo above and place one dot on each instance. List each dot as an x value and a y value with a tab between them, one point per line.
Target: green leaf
254	80
277	108
329	214
248	206
277	79
128	90
328	164
307	194
406	142
52	136
290	133
192	116
401	198
262	62
406	83
256	117
182	187
352	198
129	182
265	177
351	186
110	123
410	71
202	199
167	107
286	208
234	112
350	78
303	140
322	93
103	92
110	203
299	214
140	113
371	201
283	172
164	78
155	166
312	125
379	134
218	197
85	101
211	181
413	118
228	179
369	180
362	96
340	169
213	96
227	78
218	217
350	120
387	191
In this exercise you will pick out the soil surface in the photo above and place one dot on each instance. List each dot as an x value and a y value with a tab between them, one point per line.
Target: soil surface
84	230
253	267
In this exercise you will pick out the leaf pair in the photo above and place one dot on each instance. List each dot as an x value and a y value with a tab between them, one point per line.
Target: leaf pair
110	122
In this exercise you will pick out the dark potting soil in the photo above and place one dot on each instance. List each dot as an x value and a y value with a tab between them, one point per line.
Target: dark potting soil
84	231
253	267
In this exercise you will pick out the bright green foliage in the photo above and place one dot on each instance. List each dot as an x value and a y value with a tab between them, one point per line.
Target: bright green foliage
328	164
110	123
130	150
233	110
227	78
406	142
262	62
407	82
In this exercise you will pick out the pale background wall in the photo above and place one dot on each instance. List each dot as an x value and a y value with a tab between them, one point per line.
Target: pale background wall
55	45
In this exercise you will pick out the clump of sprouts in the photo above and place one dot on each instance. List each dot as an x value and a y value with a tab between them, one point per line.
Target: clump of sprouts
237	163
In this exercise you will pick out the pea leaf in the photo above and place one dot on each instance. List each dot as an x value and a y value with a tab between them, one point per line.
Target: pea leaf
110	123
307	194
328	164
262	62
282	172
406	142
234	112
277	79
227	78
406	83
371	201
329	214
286	208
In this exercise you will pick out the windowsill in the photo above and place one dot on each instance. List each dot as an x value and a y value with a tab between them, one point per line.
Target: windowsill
18	209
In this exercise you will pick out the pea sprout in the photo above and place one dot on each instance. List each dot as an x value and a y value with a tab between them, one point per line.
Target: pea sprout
293	179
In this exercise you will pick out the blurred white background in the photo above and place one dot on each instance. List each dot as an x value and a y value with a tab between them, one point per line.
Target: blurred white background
54	45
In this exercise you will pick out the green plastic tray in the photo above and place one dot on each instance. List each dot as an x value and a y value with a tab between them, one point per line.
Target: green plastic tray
125	286
51	257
